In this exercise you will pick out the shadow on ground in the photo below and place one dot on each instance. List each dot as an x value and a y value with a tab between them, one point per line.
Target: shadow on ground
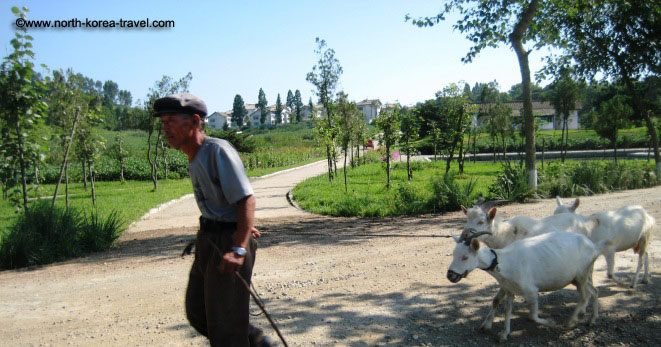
451	315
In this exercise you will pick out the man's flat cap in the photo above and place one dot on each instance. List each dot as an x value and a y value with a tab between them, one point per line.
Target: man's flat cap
180	103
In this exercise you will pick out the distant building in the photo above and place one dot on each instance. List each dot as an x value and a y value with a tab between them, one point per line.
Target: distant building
544	113
307	114
217	120
370	109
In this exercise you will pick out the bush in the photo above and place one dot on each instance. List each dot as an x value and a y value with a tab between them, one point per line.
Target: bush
45	234
448	195
511	184
242	142
594	177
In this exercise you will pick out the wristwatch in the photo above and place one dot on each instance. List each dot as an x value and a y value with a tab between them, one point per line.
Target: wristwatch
240	251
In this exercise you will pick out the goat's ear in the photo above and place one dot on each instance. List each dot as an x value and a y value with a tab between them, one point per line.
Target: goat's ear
592	224
558	201
475	244
574	206
464	209
455	237
492	214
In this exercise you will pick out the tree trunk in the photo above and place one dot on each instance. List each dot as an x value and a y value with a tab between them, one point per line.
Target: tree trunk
84	174
346	187
330	163
409	173
91	166
388	165
121	168
66	187
21	160
516	37
66	158
461	156
615	150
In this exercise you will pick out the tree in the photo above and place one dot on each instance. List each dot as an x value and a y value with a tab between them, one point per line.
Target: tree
612	116
619	39
346	112
21	102
120	153
489	23
388	123
563	97
290	101
456	107
150	124
125	98
238	111
298	105
324	76
410	124
278	110
262	104
110	92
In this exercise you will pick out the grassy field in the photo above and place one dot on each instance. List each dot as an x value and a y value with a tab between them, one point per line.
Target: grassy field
132	199
367	194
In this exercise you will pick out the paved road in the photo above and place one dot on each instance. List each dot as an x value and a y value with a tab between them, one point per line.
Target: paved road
270	193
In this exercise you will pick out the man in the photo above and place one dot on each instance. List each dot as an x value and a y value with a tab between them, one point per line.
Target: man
217	302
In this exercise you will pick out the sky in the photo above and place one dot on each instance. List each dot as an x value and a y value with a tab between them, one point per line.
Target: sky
238	47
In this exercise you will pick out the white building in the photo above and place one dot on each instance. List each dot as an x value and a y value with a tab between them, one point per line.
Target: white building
369	108
217	120
544	114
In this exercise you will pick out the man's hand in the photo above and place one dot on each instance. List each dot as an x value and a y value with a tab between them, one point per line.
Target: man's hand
231	262
255	233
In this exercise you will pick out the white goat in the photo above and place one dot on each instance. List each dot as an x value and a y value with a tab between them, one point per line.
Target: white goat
526	267
504	232
627	227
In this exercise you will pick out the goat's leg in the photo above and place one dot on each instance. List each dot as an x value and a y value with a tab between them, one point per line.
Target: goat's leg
609	254
585	294
590	282
486	325
532	299
646	278
641	257
595	303
509	302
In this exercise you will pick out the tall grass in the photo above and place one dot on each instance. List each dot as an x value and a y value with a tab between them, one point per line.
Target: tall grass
45	234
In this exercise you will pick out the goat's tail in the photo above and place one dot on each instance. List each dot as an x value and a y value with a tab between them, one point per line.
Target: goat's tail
645	236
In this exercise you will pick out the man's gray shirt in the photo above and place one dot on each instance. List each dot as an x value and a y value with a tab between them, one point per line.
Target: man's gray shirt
219	180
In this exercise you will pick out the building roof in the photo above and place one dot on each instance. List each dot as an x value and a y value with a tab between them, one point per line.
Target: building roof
369	102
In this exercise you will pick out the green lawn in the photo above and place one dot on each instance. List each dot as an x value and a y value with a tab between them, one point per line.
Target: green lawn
132	199
367	194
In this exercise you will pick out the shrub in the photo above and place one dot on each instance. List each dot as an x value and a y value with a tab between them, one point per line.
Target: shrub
448	195
595	177
408	200
511	184
45	234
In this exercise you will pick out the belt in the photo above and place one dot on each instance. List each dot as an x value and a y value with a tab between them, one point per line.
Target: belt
207	224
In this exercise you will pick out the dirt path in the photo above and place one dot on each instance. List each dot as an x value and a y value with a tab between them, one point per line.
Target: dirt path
327	281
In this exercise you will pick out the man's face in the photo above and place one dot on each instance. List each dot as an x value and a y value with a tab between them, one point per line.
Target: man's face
178	129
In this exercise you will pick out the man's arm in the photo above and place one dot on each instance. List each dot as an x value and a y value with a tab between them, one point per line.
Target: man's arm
245	226
245	221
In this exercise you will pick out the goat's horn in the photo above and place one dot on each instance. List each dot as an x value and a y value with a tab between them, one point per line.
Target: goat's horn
470	238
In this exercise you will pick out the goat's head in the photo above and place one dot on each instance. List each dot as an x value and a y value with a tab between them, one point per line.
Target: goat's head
562	208
479	219
464	256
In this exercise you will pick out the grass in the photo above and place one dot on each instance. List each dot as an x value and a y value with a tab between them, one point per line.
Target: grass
131	199
367	193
